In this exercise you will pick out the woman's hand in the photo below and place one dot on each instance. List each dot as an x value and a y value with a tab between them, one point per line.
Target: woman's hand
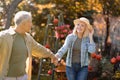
91	32
55	60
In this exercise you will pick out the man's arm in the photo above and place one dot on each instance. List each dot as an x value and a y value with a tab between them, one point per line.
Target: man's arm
39	50
0	38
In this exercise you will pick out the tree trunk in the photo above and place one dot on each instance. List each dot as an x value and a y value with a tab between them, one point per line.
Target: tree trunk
10	12
107	45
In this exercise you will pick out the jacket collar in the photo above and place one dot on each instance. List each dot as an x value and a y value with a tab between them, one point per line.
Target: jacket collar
11	31
84	38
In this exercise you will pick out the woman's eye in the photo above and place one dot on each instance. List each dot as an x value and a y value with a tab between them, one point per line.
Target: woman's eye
78	24
82	25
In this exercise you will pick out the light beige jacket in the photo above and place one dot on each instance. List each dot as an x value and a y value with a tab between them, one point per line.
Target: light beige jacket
34	48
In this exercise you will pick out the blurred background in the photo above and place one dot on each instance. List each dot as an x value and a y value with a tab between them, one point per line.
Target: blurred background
53	21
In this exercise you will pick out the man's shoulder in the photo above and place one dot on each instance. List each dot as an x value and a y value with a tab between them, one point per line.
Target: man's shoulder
28	36
4	32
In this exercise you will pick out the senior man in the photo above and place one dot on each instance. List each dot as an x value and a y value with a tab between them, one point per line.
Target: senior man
17	48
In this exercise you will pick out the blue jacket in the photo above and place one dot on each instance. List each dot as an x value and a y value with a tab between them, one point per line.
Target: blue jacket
68	46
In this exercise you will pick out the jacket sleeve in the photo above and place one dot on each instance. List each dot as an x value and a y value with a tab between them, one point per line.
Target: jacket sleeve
64	48
91	47
1	78
1	38
39	50
0	41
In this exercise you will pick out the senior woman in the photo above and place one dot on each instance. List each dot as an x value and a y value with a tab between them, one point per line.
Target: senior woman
78	44
17	48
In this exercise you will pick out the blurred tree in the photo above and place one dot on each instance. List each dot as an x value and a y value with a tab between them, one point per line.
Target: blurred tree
110	8
71	9
9	8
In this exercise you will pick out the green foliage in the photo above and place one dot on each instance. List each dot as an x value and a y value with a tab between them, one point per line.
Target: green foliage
71	9
1	28
39	34
111	7
43	1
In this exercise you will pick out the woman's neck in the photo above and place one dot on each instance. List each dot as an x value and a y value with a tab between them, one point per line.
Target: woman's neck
80	35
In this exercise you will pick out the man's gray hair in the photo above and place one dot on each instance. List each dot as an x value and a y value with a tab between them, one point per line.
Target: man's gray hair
22	16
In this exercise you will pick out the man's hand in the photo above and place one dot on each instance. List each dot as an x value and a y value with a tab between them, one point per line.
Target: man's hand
55	60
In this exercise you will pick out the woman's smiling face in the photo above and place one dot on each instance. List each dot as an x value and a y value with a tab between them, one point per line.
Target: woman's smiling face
80	27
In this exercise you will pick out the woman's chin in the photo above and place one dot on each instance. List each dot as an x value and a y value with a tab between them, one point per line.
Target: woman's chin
80	31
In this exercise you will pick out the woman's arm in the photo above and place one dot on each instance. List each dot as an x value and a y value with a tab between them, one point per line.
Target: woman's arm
91	43
64	48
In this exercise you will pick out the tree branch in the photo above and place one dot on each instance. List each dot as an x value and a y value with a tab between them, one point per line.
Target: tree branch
10	12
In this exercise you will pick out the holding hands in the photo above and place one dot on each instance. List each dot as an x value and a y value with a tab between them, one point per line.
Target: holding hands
55	60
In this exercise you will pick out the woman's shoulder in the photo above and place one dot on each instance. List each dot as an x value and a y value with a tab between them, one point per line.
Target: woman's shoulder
71	35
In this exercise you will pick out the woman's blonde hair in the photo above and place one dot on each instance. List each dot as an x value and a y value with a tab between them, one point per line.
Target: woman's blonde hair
86	22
